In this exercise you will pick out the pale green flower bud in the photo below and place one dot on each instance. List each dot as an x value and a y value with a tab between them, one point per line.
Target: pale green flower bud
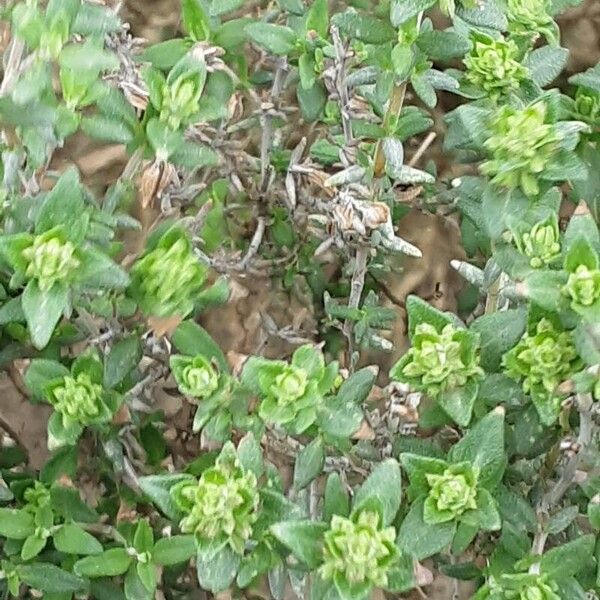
583	286
450	494
521	146
53	38
289	385
493	65
180	101
359	550
79	400
542	360
289	398
222	506
587	105
37	496
50	259
541	244
166	280
440	361
195	376
530	17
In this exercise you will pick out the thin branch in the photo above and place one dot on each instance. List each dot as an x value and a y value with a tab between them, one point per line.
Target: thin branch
340	85
356	289
429	139
556	493
255	243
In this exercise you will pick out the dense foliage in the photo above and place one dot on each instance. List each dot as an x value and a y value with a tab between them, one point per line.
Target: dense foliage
280	140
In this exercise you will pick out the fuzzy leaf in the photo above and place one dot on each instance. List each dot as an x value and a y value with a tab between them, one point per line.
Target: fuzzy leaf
385	484
309	463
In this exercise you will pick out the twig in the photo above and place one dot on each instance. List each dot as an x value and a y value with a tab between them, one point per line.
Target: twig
266	122
356	288
555	494
429	139
13	64
255	243
340	84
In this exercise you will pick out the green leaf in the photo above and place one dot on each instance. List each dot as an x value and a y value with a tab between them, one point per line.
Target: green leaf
303	538
420	539
163	140
195	20
544	289
458	403
403	10
365	28
157	488
232	34
94	20
385	484
486	14
586	337
217	572
483	447
442	45
89	56
561	519
63	205
277	39
72	539
12	312
593	513
589	79
40	372
143	538
191	339
109	563
165	55
250	454
194	156
67	503
356	389
335	500
134	587
105	129
61	433
568	559
318	18
499	332
43	310
254	564
312	101
16	524
401	576
174	550
32	546
465	534
123	357
50	578
62	462
546	63
309	463
417	467
403	59
420	311
220	7
487	511
147	574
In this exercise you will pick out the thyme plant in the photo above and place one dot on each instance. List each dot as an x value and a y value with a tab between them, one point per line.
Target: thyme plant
279	143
